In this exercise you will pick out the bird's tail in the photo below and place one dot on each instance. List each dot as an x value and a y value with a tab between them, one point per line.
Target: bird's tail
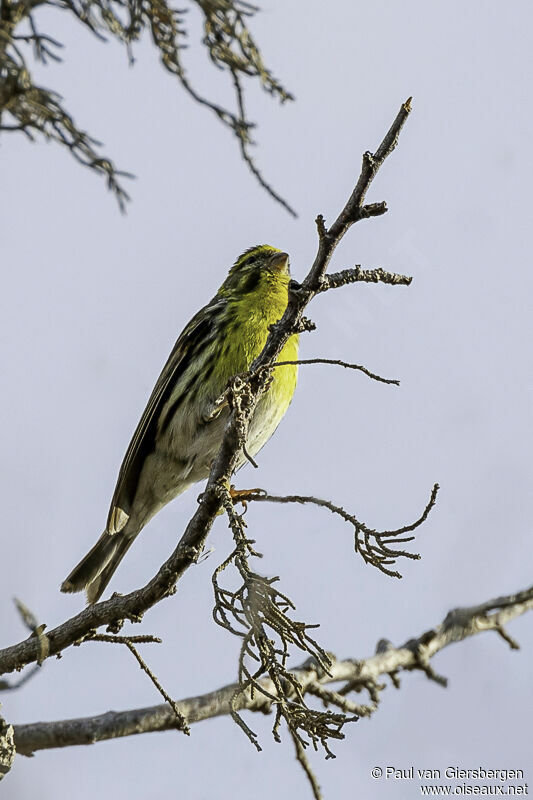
96	569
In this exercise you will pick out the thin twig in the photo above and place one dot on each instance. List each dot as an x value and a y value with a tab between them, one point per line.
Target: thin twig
129	642
228	41
337	362
377	553
301	757
356	673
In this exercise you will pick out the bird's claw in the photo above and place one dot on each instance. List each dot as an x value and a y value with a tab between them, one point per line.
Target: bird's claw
243	495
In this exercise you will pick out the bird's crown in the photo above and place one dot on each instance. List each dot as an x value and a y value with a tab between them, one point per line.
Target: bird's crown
255	266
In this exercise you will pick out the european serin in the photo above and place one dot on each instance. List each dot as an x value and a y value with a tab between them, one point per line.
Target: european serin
178	435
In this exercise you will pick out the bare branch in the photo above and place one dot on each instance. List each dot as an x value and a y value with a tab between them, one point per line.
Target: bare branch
241	128
36	110
247	394
355	675
338	363
373	546
227	39
357	274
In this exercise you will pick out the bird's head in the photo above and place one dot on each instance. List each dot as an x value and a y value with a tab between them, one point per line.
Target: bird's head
256	269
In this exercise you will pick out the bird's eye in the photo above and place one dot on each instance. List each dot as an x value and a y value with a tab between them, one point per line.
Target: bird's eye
252	259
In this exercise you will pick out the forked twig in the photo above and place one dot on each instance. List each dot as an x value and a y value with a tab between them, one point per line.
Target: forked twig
257	612
374	546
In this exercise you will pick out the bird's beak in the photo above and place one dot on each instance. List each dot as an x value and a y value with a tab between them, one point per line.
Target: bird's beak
280	261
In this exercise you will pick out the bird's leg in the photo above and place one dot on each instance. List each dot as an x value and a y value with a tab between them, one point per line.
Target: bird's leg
243	495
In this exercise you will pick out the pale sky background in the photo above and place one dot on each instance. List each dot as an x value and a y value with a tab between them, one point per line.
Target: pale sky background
92	303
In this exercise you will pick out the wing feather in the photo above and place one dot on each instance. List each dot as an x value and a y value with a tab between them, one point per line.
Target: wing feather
198	332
